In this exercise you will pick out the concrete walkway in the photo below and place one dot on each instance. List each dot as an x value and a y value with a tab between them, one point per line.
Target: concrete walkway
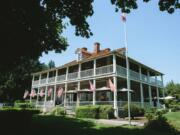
116	122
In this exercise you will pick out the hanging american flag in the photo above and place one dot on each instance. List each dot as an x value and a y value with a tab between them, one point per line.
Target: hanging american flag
26	93
123	17
92	87
49	92
33	93
59	92
41	93
111	85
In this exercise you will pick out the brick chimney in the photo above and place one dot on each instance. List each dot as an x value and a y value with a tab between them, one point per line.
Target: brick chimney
96	47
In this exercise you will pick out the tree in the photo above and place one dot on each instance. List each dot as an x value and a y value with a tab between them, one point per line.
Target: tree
14	83
51	64
173	89
30	27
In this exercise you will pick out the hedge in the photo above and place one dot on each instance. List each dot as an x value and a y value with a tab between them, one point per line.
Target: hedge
135	110
58	111
97	111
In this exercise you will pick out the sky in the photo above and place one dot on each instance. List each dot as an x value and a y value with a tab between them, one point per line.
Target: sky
153	37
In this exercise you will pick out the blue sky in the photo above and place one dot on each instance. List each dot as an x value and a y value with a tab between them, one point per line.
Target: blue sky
153	37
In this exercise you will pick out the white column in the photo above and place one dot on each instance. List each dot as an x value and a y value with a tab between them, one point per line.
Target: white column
94	67
149	89
94	92
162	86
40	78
79	71
157	91
65	94
37	97
94	82
47	77
78	89
55	87
32	81
141	87
114	63
45	99
115	97
67	71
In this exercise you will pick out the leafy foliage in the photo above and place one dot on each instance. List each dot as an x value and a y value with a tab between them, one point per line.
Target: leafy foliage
135	110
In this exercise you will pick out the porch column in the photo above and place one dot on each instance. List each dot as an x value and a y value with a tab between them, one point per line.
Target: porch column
149	89
67	71
45	99
32	81
40	78
114	63
141	87
79	71
37	98
162	83
65	94
94	82
55	87
115	97
157	91
78	89
47	77
94	92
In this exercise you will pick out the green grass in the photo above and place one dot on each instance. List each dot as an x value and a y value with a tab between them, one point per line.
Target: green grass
174	119
57	125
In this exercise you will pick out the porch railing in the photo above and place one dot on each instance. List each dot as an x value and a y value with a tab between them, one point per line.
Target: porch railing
35	82
43	81
61	78
72	76
87	73
104	70
51	79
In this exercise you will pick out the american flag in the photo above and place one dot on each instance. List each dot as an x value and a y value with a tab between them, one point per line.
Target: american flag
49	92
92	87
123	17
41	93
26	93
33	93
59	92
111	85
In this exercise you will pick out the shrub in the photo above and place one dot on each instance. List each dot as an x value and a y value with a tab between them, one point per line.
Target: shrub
175	108
87	111
23	105
58	111
135	110
106	112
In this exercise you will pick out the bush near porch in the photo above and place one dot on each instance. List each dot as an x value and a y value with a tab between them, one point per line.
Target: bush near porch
97	111
135	110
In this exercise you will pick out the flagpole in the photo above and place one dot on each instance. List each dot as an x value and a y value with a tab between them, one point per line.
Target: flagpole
127	72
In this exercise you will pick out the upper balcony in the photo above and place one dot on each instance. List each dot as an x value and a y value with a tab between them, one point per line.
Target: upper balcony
102	67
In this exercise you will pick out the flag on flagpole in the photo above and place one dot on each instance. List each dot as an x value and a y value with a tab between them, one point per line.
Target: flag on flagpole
123	17
111	85
59	92
41	93
92	87
26	93
33	93
49	92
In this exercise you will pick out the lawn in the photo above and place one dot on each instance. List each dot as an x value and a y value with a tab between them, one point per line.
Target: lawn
174	119
57	125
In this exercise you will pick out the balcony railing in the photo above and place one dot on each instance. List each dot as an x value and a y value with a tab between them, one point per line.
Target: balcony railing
87	73
43	81
72	76
104	70
35	82
134	75
51	79
121	71
61	78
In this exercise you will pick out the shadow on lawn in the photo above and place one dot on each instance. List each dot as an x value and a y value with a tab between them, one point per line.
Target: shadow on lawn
56	125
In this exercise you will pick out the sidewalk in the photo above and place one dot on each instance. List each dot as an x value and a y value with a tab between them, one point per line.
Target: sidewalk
119	122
